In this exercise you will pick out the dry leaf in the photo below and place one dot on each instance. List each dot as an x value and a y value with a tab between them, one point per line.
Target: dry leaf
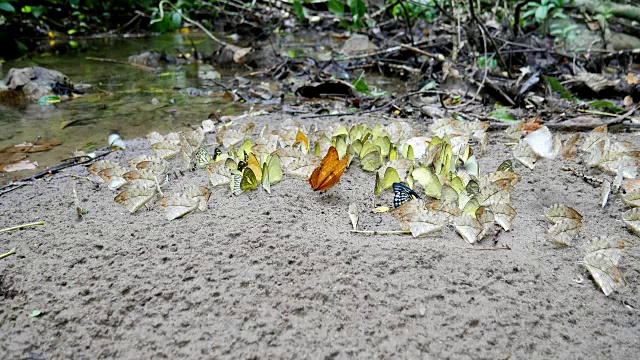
20	166
627	101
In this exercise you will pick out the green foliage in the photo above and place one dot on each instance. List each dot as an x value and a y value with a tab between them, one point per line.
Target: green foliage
487	61
298	9
5	6
556	86
418	9
360	85
603	104
502	114
358	11
562	33
543	10
336	7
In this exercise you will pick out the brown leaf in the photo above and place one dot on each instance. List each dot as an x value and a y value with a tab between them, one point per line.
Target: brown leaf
20	166
38	146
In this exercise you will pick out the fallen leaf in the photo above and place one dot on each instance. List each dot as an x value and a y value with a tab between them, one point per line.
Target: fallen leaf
20	166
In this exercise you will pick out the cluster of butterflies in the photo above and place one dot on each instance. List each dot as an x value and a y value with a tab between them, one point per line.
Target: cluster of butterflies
396	151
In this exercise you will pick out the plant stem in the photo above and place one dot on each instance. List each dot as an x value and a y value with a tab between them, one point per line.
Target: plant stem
393	232
11	252
39	223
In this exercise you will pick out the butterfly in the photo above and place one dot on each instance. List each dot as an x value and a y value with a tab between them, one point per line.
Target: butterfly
328	173
402	194
201	158
506	165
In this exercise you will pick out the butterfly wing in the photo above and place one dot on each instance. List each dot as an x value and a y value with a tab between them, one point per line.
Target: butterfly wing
202	158
328	173
235	184
402	194
249	180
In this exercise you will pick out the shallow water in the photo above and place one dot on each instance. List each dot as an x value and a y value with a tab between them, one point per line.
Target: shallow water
131	101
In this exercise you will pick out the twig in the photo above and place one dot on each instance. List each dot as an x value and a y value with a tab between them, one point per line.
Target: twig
11	252
385	106
139	66
374	232
486	32
486	71
438	57
52	171
187	19
381	52
39	223
516	16
408	21
483	249
442	10
15	185
138	14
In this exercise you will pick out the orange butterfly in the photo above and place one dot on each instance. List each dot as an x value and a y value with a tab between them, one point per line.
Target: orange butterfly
328	173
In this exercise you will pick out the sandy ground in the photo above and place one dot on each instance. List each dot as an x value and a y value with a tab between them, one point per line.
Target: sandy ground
281	276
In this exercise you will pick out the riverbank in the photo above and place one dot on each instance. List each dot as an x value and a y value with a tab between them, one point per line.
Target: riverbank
282	276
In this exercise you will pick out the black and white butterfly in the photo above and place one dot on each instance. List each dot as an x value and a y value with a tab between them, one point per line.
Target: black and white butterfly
402	194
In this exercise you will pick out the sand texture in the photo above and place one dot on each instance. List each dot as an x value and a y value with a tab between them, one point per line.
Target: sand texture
281	276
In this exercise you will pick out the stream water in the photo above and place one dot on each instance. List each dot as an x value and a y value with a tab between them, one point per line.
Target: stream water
121	97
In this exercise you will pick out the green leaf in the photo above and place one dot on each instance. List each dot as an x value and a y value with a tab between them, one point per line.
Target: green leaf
603	104
72	31
7	7
48	100
557	87
541	13
358	10
298	9
26	9
37	11
336	7
176	20
360	85
503	115
487	61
